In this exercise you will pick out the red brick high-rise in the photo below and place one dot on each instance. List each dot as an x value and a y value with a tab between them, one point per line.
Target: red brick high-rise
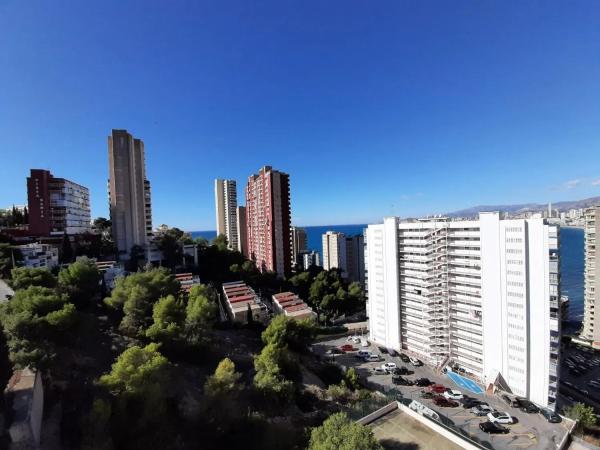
268	219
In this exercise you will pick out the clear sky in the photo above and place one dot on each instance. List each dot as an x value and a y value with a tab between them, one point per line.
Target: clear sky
373	107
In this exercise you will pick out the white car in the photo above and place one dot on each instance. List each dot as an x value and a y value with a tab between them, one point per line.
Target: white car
378	371
451	394
501	417
364	343
389	366
373	358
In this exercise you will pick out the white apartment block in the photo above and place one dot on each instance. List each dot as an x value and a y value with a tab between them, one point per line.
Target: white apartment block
226	209
481	294
591	296
334	251
37	255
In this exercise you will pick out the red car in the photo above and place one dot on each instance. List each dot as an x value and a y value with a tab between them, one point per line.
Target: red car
437	388
444	402
348	348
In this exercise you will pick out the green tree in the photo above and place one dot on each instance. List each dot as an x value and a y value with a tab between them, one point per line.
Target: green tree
168	315
220	242
200	313
96	425
583	414
33	321
225	382
9	258
136	312
135	255
156	282
80	280
169	241
338	432
23	277
282	331
301	284
351	379
269	377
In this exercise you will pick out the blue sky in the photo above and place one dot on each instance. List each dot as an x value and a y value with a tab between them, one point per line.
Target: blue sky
374	108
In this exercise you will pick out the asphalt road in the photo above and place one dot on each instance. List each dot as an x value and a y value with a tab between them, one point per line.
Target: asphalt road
531	432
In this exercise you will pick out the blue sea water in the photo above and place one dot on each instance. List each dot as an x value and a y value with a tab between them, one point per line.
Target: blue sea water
571	262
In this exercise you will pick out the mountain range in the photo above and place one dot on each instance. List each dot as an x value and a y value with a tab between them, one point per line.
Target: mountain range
524	207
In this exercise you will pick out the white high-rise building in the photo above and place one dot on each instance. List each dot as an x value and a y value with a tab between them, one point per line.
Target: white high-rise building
482	295
226	209
334	251
591	326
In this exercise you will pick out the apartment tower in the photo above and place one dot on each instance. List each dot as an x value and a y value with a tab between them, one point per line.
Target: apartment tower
268	218
345	253
129	192
226	208
241	231
478	295
591	326
56	205
298	245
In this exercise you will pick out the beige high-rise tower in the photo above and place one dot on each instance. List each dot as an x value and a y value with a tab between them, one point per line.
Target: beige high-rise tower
591	304
226	209
129	192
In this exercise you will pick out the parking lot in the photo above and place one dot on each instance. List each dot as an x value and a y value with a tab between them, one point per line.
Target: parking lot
580	376
531	431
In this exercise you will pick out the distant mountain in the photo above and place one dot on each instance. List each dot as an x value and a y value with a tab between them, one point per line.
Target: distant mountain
524	207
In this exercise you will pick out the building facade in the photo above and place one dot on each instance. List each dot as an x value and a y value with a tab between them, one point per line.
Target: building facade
482	295
56	205
345	253
129	192
591	326
310	259
268	219
241	229
226	209
38	255
298	245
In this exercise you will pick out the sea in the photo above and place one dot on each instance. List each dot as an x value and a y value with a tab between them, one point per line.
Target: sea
571	262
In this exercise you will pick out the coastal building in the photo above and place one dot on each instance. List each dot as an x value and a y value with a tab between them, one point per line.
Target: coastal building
292	306
226	209
298	245
242	232
591	322
481	296
129	192
268	219
57	206
37	255
345	253
242	301
310	259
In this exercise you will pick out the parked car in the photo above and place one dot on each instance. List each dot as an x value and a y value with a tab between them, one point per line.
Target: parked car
392	352
500	417
437	388
401	381
470	402
363	353
493	428
423	382
334	351
482	409
509	401
451	394
378	371
383	350
550	415
404	358
348	348
403	371
426	394
444	402
526	406
389	367
415	362
373	358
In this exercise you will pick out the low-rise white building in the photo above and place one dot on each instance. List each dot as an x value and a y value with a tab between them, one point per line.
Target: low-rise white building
481	294
239	299
292	306
110	270
39	255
